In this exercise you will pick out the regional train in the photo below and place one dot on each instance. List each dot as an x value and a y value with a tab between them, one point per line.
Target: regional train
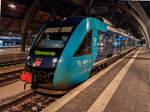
9	41
66	52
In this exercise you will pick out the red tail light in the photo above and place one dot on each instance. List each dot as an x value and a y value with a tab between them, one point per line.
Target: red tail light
27	77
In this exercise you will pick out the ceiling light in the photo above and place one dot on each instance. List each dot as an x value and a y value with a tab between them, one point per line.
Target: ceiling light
12	5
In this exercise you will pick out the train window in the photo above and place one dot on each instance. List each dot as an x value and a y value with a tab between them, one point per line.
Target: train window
100	42
116	43
85	47
109	41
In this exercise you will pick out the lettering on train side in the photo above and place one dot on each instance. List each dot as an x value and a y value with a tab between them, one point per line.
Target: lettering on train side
94	41
85	61
79	63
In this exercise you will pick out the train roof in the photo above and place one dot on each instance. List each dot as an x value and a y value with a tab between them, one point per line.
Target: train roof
119	32
66	21
71	21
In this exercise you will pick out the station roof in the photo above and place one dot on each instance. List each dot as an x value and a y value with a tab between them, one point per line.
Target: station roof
146	7
13	12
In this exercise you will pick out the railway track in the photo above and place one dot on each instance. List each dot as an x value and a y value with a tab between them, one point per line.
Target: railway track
8	63
26	102
9	78
14	59
10	74
11	68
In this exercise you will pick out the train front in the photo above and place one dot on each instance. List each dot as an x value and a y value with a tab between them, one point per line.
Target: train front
44	57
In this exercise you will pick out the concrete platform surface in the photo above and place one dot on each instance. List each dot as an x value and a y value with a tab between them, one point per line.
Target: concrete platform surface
10	51
122	87
13	89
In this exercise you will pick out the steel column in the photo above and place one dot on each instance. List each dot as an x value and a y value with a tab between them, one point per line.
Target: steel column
27	21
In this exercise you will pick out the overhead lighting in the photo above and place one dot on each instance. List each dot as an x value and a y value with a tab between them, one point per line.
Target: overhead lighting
0	9
12	5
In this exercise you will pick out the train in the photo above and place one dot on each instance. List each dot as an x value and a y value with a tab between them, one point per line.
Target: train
9	41
68	51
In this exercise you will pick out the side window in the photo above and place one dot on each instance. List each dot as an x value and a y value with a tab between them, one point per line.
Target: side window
110	41
100	42
117	41
85	47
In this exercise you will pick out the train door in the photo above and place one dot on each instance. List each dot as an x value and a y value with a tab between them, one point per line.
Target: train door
127	42
124	42
109	45
126	47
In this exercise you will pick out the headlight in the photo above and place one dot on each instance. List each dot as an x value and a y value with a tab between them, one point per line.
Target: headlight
53	65
28	57
54	60
101	44
28	63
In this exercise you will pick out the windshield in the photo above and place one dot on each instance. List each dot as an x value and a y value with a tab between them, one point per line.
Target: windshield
52	40
54	37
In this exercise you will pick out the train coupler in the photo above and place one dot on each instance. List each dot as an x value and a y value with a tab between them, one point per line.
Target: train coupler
25	85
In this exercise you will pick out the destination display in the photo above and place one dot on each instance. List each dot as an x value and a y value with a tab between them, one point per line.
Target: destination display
59	29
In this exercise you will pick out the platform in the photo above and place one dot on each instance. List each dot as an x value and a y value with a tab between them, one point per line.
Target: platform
12	89
6	52
122	87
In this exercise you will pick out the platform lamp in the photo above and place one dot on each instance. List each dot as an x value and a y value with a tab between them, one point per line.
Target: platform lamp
12	5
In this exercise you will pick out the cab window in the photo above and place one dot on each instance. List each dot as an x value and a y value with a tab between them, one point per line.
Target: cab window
85	47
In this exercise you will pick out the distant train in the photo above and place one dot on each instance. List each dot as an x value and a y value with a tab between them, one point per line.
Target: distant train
66	52
9	41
